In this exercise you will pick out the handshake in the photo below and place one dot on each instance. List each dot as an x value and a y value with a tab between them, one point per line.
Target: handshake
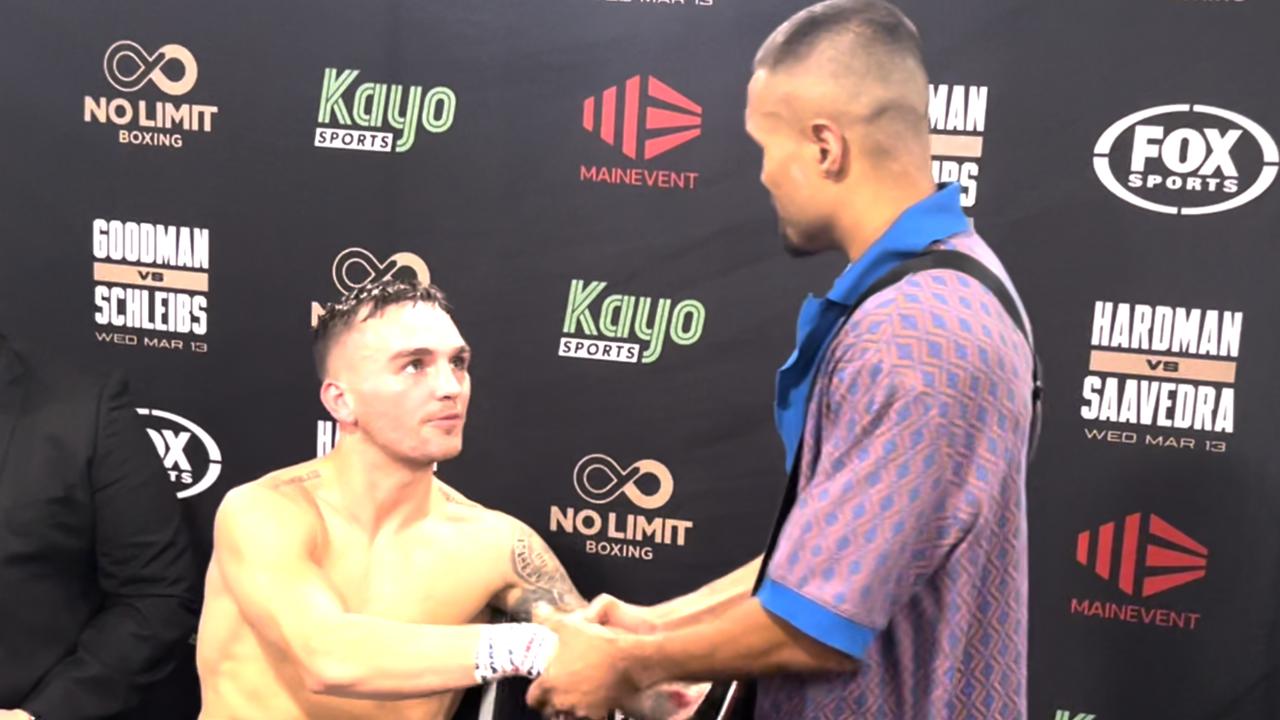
602	662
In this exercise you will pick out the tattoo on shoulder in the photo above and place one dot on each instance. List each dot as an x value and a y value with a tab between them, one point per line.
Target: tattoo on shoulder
542	575
295	479
454	497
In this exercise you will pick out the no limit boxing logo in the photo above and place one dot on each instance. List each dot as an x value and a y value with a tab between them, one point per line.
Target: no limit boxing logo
129	67
643	118
1148	556
1186	159
647	484
612	481
354	268
192	467
172	70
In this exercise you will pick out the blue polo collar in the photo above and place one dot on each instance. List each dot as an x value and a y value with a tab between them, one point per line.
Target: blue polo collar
934	218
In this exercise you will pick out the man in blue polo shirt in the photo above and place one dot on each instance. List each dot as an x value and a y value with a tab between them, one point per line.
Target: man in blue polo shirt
895	585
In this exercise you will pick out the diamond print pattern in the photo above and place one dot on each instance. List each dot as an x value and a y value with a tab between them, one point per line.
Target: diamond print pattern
909	516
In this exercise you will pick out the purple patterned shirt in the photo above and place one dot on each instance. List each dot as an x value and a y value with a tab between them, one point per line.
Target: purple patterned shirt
907	544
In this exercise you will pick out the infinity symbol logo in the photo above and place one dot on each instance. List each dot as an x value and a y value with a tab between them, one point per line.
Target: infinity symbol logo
615	481
129	67
356	267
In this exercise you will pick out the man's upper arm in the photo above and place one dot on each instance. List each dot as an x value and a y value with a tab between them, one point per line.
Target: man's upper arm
141	541
884	507
534	575
262	547
143	566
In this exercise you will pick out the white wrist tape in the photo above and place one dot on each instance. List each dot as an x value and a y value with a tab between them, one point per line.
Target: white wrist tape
512	649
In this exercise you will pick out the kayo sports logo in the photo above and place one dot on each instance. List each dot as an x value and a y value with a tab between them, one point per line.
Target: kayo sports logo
622	317
374	106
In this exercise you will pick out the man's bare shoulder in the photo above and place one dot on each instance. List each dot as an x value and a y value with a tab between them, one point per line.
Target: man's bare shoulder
464	509
285	497
530	571
455	497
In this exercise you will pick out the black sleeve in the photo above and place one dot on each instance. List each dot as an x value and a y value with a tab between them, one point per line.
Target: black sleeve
145	569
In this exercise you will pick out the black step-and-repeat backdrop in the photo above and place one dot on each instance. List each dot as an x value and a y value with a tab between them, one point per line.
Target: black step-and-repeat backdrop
180	183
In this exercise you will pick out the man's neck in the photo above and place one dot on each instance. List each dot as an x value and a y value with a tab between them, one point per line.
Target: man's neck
874	208
375	491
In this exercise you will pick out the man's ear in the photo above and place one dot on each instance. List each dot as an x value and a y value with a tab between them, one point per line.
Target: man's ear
832	148
338	402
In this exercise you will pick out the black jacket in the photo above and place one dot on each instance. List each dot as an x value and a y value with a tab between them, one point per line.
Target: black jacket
97	581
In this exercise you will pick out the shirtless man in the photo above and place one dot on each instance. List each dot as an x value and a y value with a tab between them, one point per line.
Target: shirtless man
359	585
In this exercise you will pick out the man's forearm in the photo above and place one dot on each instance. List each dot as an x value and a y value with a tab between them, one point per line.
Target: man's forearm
743	641
358	656
711	599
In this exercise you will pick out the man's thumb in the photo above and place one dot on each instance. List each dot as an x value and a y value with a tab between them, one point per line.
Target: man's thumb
600	609
544	614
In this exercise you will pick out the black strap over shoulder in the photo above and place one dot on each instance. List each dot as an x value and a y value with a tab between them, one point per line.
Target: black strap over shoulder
934	260
971	266
740	701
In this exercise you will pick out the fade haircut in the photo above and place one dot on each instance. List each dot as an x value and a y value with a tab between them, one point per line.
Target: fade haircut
363	303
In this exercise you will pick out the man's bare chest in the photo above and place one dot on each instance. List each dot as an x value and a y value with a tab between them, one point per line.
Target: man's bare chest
441	576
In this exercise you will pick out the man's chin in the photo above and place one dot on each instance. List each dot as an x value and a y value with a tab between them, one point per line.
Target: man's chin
797	250
438	449
449	451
